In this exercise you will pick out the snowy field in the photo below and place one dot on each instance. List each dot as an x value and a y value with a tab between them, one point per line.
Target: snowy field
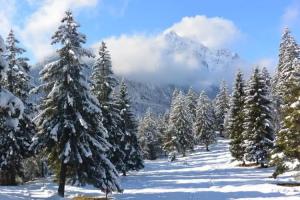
200	176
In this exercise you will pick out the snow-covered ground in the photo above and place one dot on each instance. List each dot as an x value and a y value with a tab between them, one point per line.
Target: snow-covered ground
202	175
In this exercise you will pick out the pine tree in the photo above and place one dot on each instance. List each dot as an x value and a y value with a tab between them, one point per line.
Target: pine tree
148	136
162	131
180	126
258	124
103	77
191	101
17	80
221	107
13	145
204	123
173	98
103	83
288	51
236	119
288	138
70	123
130	145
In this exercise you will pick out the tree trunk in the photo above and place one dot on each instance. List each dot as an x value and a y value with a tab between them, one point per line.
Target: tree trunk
8	177
244	163
62	179
207	148
124	173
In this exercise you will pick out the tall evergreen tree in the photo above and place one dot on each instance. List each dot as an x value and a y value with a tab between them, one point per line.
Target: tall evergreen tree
221	107
103	83
204	123
70	123
148	135
288	51
180	126
258	124
133	153
236	119
13	145
17	80
163	121
191	101
288	138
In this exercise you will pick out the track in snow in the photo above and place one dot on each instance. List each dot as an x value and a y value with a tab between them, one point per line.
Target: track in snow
199	176
204	176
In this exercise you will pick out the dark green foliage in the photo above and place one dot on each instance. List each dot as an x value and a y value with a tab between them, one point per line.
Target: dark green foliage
258	124
236	119
129	143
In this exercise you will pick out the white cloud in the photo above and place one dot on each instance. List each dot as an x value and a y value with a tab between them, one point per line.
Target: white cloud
6	15
39	26
35	32
151	58
213	32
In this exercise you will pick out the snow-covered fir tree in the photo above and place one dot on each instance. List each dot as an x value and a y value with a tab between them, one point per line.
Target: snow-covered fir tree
288	51
236	117
103	77
174	96
288	138
266	75
13	145
17	80
180	126
148	135
103	83
70	122
204	122
221	107
133	153
258	124
168	140
162	125
191	101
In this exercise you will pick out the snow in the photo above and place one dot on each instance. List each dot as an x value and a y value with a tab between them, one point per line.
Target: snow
81	120
202	175
53	132
14	106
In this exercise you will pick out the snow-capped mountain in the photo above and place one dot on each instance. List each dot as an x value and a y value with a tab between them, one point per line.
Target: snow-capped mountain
205	64
196	64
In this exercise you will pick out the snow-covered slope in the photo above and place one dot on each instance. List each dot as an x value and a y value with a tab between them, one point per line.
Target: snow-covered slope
201	175
218	59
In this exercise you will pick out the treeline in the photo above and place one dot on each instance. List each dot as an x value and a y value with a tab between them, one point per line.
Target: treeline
83	128
261	117
193	119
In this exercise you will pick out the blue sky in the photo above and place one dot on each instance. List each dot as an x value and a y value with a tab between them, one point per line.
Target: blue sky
254	27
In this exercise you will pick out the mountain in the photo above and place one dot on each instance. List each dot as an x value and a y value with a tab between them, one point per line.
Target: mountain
212	66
